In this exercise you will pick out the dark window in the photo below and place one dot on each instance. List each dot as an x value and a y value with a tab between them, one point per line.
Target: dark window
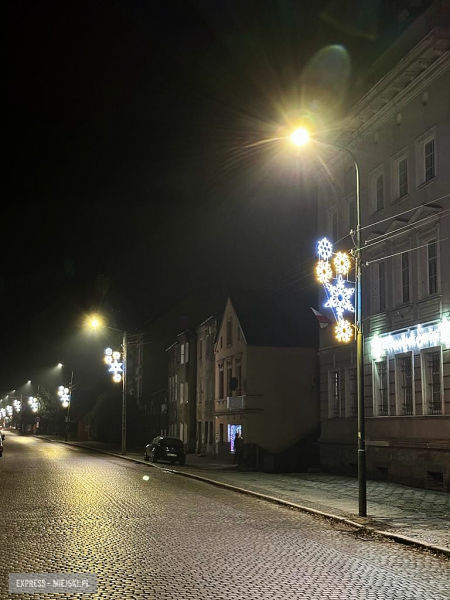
229	332
406	369
221	382
383	408
402	177
382	286
206	431
429	160
335	394
221	433
405	277
432	267
434	382
380	192
211	432
229	376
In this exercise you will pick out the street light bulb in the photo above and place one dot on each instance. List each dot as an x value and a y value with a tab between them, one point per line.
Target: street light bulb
95	322
300	136
60	365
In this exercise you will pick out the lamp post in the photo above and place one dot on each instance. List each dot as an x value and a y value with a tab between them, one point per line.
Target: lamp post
119	370
300	137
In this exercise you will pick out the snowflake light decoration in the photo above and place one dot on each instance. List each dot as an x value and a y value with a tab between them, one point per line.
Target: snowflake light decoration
343	331
325	249
115	367
64	395
342	263
324	272
340	296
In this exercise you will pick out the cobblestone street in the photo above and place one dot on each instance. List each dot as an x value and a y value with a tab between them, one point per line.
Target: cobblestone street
67	510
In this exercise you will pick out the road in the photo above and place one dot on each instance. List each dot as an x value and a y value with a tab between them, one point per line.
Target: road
65	509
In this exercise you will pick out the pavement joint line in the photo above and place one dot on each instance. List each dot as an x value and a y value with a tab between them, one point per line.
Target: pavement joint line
397	537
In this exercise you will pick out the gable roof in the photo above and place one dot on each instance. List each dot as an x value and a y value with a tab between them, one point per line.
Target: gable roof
278	320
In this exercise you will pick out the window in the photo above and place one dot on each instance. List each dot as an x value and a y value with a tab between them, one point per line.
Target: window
432	267
211	432
432	381
181	393
428	149
379	192
334	395
404	379
186	391
182	354
405	277
221	382
239	378
351	394
229	332
229	376
402	177
176	388
186	359
380	388
382	286
426	157
206	431
221	440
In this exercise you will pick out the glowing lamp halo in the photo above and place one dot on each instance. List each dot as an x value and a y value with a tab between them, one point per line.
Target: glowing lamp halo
117	378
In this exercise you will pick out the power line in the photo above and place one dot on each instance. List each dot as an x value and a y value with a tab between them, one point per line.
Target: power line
403	252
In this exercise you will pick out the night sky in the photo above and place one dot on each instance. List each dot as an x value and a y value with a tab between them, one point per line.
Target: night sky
132	163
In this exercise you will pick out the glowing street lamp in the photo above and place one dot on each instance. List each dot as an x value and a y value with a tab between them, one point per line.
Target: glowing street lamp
300	137
117	363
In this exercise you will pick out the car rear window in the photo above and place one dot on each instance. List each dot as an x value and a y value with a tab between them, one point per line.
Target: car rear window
172	442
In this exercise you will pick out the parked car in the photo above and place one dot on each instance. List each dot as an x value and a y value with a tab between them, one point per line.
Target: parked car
2	437
166	448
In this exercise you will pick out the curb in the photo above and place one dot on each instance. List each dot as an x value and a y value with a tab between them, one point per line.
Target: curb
402	539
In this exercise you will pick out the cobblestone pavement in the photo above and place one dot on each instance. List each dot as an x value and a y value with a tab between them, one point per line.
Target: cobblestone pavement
421	515
170	537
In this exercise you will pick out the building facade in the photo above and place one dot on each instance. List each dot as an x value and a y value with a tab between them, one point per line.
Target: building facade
182	383
206	333
399	132
264	384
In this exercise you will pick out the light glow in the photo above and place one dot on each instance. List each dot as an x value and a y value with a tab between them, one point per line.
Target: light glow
344	331
340	297
300	136
412	339
325	249
324	272
342	263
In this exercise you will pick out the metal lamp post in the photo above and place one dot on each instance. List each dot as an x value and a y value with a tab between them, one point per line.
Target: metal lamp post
301	137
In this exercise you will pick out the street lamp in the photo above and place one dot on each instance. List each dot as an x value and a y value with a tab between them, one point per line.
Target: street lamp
300	137
119	369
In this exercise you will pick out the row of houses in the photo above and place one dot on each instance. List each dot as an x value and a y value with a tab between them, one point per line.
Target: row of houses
252	367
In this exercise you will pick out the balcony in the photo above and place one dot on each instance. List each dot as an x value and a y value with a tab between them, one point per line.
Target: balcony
236	403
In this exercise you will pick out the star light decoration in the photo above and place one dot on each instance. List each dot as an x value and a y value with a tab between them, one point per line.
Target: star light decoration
17	405
339	293
112	359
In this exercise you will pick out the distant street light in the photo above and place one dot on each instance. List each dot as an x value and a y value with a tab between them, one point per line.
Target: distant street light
119	369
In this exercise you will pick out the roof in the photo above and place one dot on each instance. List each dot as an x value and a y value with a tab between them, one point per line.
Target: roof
279	320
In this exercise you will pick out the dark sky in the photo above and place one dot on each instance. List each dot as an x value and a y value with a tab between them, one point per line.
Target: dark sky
130	175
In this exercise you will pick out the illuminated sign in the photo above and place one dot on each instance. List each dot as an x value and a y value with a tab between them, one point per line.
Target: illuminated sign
412	339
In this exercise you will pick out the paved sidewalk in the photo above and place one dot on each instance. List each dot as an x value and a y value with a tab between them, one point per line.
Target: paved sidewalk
407	514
